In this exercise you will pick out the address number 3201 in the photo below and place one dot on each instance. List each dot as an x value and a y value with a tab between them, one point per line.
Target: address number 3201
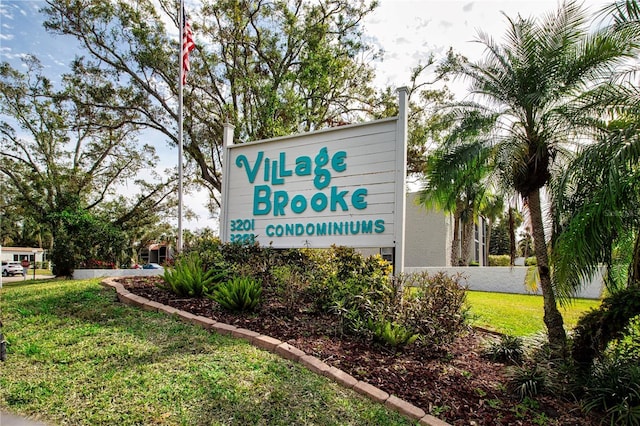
243	225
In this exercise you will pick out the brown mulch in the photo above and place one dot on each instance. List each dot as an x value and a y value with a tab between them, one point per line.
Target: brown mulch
458	386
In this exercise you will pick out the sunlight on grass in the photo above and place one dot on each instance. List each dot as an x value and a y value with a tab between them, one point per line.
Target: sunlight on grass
519	314
78	356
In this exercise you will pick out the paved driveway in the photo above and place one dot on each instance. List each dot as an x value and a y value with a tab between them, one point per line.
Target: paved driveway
16	278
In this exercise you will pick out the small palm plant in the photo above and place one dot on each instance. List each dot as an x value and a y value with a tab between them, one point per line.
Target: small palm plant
238	294
188	277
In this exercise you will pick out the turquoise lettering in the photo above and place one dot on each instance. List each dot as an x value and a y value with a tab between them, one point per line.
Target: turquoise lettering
280	201
357	199
354	227
277	180
338	198
310	228
337	161
319	202
299	229
298	204
379	226
323	176
261	197
367	226
242	161
337	228
269	231
303	166
289	229
283	170
267	163
322	229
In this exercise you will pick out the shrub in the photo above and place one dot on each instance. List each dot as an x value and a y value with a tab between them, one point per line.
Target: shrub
390	333
600	326
434	306
526	382
499	260
238	294
614	389
509	349
348	278
290	286
188	277
531	261
627	348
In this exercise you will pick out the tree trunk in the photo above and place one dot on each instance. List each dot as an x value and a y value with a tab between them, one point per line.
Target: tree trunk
467	240
455	241
634	268
552	317
487	246
512	238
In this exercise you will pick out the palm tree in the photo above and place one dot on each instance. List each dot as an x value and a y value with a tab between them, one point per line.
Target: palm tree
533	84
599	201
491	208
599	198
454	183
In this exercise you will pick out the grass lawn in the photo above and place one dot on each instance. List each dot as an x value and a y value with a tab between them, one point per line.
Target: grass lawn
77	356
519	314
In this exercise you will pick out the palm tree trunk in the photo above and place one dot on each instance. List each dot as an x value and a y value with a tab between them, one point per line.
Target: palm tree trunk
455	241
552	317
487	249
512	238
467	239
634	268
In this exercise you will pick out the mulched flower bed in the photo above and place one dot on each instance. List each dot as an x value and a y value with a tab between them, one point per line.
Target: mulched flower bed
458	386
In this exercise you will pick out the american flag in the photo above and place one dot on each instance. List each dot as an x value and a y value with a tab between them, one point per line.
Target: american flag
187	46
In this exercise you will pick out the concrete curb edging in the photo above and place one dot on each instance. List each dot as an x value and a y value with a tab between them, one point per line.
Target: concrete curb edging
285	351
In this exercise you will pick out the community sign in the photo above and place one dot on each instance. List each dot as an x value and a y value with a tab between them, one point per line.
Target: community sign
338	186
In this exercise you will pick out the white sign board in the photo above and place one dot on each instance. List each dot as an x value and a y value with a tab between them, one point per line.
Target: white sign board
335	186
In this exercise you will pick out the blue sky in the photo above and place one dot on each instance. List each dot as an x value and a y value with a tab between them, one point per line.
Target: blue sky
407	30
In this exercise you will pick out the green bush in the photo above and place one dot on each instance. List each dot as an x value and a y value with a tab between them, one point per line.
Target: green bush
391	334
508	350
345	277
627	348
434	306
600	326
188	277
208	248
526	382
531	261
238	294
499	260
289	287
614	390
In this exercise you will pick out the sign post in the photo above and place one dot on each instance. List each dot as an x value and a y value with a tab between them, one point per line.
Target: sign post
34	263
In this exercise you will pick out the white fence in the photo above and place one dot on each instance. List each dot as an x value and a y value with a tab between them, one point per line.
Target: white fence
507	280
84	274
497	279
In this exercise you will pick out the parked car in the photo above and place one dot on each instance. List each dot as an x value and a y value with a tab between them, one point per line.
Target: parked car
152	266
11	268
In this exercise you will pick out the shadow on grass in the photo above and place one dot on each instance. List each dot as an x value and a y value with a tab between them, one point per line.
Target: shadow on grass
103	362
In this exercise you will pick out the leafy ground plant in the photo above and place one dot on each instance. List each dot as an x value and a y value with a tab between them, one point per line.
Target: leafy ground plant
189	278
238	294
77	356
508	349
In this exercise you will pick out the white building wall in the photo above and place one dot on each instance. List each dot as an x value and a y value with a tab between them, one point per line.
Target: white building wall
427	236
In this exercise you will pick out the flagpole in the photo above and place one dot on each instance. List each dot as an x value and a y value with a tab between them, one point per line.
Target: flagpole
180	131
